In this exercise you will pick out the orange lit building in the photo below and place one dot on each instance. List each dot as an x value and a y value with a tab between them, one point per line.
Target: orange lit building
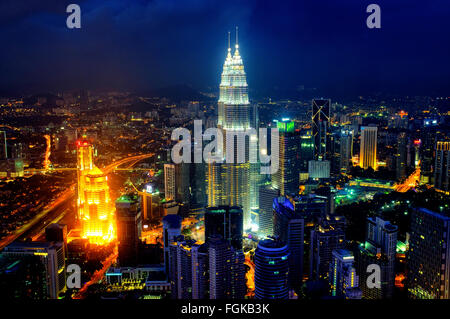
95	209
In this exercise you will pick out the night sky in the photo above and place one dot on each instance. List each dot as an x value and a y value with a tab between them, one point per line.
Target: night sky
138	45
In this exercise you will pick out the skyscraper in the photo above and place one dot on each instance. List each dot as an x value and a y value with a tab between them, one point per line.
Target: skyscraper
379	249
289	227
306	150
327	235
226	270
267	194
234	117
286	179
346	150
321	127
271	270
95	209
129	227
171	230
226	222
169	181
200	271
442	166
429	255
401	156
368	148
51	256
342	275
3	146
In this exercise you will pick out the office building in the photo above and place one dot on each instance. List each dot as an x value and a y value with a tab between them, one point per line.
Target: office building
346	150
428	258
368	147
129	227
326	236
380	249
171	230
289	227
442	166
342	276
51	257
271	270
169	181
226	222
267	193
321	128
319	169
286	179
226	270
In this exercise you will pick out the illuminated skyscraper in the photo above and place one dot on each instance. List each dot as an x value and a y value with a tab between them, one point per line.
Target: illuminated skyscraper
429	255
379	249
271	270
442	166
342	275
368	148
345	150
95	209
286	179
327	235
231	183
321	127
169	181
129	226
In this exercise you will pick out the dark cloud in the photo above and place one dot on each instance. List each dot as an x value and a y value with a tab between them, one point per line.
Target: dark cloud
141	44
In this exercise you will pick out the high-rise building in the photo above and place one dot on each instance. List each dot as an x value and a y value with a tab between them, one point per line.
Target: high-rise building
401	155
169	181
58	233
379	249
3	146
327	235
226	222
200	271
346	150
267	193
234	117
95	208
271	270
442	166
342	275
289	227
129	227
429	255
321	127
286	179
319	169
149	202
181	268
226	270
306	150
368	148
51	256
171	230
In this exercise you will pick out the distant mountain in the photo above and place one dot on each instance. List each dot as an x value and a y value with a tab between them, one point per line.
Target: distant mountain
177	93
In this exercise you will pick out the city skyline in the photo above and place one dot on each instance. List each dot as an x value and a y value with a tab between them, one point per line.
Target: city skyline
111	189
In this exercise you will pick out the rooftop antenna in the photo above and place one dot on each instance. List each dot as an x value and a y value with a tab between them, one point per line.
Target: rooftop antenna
237	37
229	45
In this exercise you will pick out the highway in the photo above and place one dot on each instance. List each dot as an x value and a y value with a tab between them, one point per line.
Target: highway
57	209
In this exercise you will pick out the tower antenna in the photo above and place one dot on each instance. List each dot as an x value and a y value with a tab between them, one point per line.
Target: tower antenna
229	46
237	37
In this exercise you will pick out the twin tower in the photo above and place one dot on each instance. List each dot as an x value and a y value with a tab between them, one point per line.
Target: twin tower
234	184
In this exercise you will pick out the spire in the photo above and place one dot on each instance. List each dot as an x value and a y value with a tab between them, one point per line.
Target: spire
237	38
229	46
